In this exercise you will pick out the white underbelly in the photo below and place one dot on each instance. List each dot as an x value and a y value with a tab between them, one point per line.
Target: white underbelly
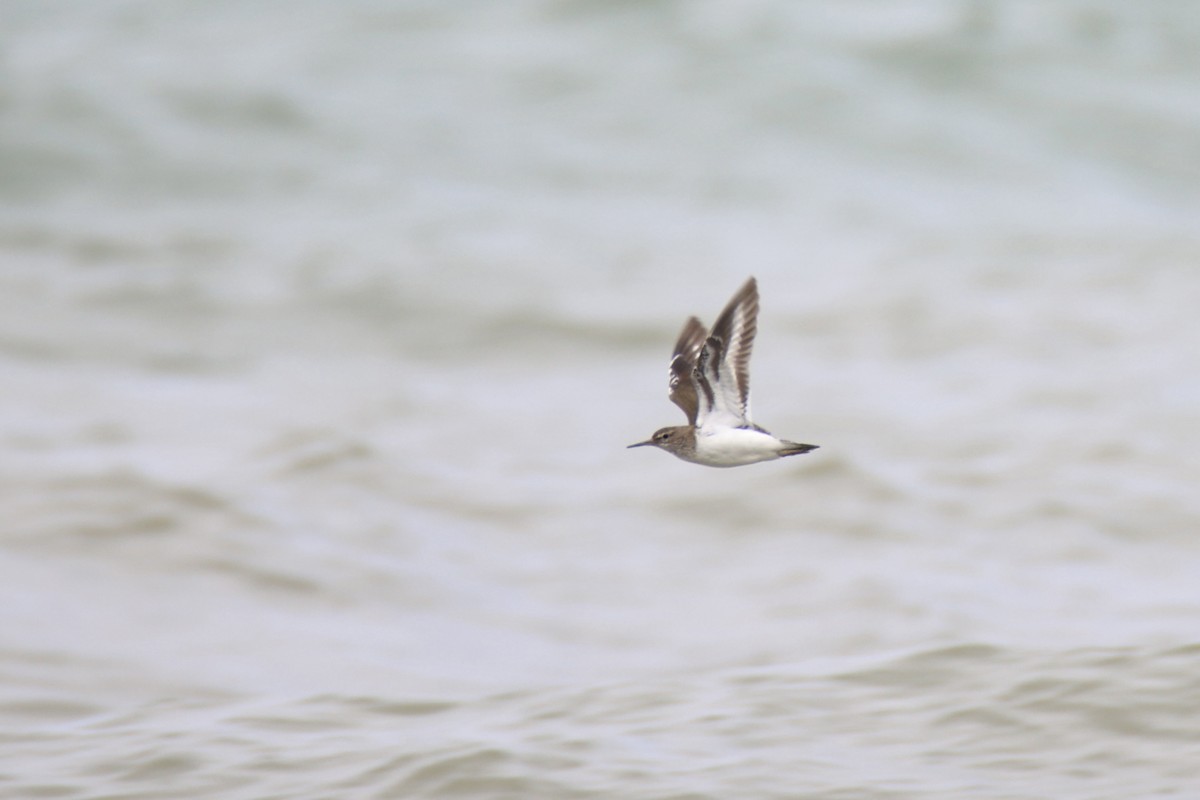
734	447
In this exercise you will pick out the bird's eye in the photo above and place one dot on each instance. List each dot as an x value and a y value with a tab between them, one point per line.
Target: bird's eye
662	437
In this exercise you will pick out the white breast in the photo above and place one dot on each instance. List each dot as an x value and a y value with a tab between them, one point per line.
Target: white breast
733	447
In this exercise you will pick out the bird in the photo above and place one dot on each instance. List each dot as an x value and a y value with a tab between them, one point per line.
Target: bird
709	379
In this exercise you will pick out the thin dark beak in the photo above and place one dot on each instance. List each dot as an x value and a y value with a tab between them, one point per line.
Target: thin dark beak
641	444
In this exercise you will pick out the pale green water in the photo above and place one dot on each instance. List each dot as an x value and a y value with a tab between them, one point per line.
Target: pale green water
323	328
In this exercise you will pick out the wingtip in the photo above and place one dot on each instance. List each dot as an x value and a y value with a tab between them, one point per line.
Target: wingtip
693	330
747	295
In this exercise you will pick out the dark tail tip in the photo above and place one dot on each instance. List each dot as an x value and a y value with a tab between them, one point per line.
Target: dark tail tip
795	449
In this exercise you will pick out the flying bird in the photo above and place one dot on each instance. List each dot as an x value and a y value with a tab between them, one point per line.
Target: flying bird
709	379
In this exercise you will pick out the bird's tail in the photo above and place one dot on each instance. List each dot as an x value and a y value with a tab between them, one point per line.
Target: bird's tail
795	448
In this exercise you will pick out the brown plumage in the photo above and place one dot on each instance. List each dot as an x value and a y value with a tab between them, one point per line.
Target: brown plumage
709	379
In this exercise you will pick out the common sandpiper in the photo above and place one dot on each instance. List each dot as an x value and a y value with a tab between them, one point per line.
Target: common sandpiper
709	378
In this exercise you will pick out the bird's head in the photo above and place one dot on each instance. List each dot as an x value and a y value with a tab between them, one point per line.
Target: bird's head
672	439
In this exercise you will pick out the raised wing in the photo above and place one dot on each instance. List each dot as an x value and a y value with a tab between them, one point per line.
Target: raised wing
681	384
723	367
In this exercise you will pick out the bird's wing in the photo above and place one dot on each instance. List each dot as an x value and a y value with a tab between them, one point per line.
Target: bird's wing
723	367
681	383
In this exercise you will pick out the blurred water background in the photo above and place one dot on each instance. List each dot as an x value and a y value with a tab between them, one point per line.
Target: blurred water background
323	327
